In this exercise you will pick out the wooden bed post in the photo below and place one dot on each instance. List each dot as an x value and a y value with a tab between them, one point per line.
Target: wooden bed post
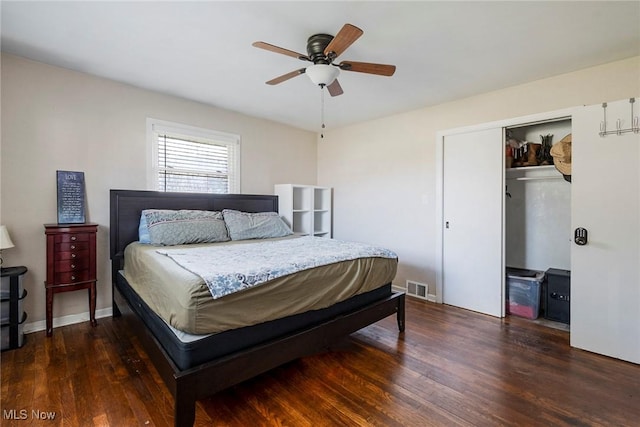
400	314
184	410
116	265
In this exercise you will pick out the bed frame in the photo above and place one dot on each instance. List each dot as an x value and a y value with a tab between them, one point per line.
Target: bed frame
187	386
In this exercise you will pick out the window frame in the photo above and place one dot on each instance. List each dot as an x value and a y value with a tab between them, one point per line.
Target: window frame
156	127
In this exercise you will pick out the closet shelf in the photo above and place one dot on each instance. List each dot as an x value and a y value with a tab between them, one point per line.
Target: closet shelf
533	178
533	173
530	168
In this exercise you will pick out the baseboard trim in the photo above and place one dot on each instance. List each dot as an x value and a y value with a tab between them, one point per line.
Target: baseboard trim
395	288
71	319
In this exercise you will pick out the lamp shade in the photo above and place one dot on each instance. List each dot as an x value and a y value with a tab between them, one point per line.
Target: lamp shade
5	239
322	74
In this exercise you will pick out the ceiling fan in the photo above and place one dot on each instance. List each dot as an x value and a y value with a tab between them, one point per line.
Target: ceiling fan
322	50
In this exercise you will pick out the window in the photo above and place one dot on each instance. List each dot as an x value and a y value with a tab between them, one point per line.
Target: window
192	160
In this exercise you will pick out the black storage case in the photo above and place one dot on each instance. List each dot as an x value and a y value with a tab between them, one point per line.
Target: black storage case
558	295
12	294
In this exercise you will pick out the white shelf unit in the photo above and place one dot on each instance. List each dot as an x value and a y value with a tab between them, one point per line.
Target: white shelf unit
306	208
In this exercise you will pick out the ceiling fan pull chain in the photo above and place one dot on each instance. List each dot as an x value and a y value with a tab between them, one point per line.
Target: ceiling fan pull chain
322	110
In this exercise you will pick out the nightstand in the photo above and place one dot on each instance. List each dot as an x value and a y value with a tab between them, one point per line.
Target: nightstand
71	264
12	294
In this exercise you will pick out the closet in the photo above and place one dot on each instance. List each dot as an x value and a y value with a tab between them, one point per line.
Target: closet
491	217
537	208
537	205
496	217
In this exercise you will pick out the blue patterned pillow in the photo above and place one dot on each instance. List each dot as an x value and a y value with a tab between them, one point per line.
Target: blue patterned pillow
170	227
143	230
261	225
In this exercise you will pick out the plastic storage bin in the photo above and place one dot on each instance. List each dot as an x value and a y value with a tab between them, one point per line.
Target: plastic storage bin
523	292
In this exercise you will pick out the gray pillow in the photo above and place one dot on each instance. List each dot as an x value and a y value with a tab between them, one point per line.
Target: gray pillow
260	225
171	227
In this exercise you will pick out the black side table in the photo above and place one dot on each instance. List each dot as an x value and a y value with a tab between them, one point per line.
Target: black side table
11	296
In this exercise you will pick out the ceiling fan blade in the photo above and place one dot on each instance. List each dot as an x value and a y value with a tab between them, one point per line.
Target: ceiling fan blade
369	68
283	51
334	88
345	38
286	77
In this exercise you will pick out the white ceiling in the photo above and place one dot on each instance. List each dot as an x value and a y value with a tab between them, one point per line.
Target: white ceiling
202	50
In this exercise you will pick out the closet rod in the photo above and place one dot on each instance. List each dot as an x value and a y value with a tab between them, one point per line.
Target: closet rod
535	178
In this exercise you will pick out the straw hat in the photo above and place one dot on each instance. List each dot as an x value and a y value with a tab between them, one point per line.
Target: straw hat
561	152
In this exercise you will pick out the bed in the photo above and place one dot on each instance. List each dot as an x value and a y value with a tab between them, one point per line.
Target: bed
193	369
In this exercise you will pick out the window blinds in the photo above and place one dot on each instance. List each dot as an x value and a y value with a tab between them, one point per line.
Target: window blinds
196	164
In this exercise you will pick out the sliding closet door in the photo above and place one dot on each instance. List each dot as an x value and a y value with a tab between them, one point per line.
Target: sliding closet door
472	238
605	194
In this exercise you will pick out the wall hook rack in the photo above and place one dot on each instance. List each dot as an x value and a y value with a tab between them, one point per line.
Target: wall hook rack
635	122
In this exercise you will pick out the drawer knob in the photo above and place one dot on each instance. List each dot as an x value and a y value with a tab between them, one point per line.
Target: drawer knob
73	246
73	277
73	255
73	237
73	266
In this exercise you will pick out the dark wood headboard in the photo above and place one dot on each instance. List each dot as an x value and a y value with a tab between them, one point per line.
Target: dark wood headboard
126	206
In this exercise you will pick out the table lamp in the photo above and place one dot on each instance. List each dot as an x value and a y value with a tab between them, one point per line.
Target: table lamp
5	241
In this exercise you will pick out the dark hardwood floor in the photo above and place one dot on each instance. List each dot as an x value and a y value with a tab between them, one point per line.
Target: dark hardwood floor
451	367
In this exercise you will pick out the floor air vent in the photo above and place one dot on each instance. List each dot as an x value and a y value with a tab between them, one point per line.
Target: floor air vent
419	290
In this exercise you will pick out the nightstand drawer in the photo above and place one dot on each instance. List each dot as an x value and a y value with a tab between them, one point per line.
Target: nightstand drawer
71	237
72	246
71	255
72	277
72	265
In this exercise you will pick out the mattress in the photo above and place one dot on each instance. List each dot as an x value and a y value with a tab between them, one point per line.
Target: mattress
182	299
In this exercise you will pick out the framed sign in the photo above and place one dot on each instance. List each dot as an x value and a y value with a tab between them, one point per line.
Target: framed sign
71	197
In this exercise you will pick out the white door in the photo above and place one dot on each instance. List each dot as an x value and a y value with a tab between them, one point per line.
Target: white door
473	194
605	273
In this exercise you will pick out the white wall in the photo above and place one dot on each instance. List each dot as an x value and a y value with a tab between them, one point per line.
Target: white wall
57	119
384	171
538	222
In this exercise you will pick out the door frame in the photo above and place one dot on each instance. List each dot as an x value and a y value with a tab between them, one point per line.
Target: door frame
440	138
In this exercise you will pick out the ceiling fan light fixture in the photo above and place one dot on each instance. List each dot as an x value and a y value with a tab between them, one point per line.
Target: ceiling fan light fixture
322	74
